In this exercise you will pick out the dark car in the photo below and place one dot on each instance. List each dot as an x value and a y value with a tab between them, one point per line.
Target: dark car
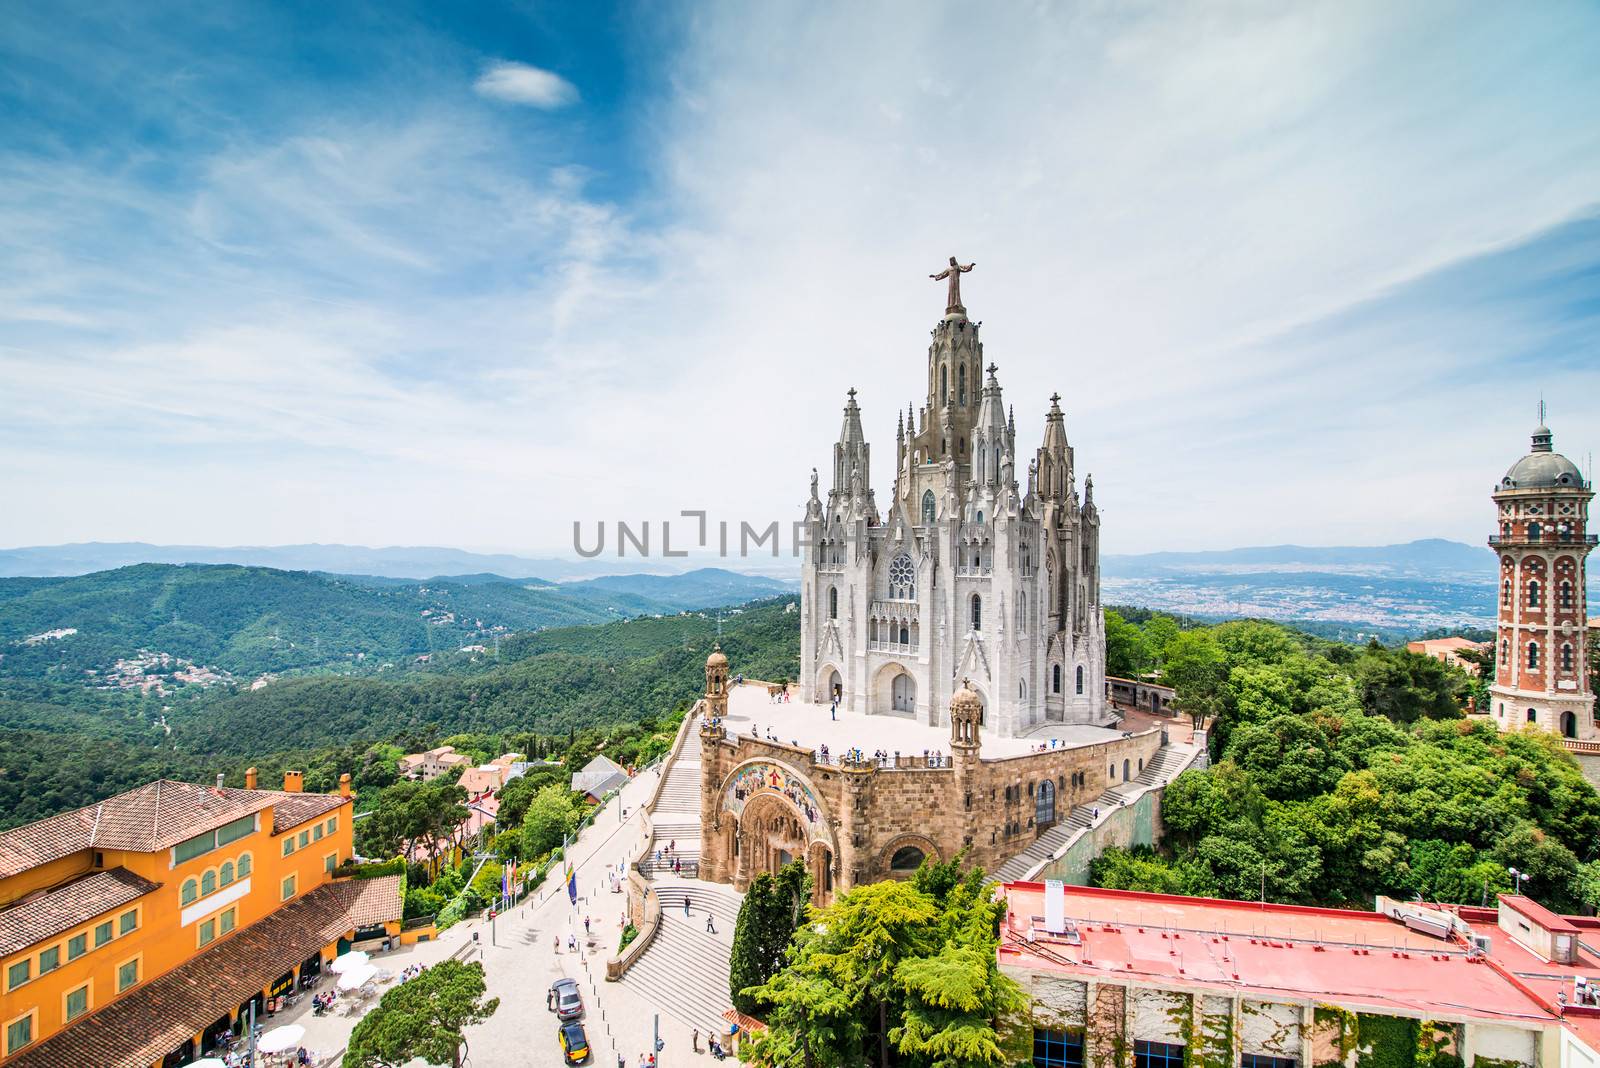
574	1042
567	1002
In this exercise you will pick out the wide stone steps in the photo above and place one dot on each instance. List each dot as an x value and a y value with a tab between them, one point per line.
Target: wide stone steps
1040	850
684	972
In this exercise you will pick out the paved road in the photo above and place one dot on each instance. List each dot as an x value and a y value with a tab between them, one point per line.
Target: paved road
521	961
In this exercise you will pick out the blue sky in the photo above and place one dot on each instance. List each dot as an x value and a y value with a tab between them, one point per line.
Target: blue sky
464	274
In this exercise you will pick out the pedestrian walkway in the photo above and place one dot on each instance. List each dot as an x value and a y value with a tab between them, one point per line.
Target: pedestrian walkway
685	970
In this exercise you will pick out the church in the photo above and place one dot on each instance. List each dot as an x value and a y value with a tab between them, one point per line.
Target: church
967	574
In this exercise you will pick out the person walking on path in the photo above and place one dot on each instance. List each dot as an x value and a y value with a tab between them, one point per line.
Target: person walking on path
695	1038
711	928
685	905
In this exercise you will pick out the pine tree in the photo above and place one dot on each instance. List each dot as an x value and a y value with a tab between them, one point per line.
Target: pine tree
773	908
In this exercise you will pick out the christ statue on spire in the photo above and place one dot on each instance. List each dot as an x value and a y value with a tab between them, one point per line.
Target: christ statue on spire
954	273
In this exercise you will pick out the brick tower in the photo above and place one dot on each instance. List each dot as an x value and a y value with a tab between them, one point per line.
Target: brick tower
1541	648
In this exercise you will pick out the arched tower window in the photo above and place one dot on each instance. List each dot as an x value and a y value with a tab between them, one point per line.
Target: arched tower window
927	506
1566	658
944	382
1505	592
833	602
1533	593
977	612
961	385
1533	656
1055	679
1080	678
1566	594
980	519
902	578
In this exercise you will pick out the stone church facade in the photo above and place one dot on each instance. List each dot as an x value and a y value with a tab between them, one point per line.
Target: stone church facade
967	574
765	803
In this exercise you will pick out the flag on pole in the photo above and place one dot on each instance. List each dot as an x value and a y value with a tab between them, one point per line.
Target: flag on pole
572	884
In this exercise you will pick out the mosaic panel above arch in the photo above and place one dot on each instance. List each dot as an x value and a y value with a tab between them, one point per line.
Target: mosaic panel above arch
758	778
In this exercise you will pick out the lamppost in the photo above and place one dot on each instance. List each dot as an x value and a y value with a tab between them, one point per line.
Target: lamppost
1518	876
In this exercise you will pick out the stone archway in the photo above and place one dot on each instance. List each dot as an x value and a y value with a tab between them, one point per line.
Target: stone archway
771	833
830	685
902	856
894	691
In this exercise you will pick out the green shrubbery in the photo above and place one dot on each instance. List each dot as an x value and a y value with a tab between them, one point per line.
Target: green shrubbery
1342	773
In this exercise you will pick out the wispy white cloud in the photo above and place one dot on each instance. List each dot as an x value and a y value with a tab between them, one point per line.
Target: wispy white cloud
518	83
1233	240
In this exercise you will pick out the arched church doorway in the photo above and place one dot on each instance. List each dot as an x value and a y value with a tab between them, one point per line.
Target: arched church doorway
904	693
771	833
1569	725
830	686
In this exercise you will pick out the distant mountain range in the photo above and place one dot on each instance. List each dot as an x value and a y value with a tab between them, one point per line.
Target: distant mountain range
402	562
1416	586
165	626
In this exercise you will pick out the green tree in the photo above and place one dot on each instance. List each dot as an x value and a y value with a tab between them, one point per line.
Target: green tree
410	816
1196	668
552	814
1126	654
424	1018
1406	687
772	910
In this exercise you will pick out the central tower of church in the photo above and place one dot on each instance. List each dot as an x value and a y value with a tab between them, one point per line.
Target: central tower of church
967	575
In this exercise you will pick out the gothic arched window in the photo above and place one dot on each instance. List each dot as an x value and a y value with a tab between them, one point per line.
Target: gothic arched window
1080	678
1533	593
977	612
905	635
1055	679
944	382
927	506
902	579
961	385
980	519
833	602
1533	656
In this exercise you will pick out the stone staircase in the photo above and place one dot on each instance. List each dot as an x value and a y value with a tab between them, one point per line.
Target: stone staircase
1043	847
684	972
1163	767
676	815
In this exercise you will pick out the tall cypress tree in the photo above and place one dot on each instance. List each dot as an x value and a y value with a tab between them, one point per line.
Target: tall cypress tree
773	908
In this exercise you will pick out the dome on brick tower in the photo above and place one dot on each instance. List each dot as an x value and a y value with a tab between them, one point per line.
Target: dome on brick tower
717	658
1543	468
966	700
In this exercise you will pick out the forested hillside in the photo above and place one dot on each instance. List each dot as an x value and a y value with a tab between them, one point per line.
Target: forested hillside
60	755
171	624
1344	772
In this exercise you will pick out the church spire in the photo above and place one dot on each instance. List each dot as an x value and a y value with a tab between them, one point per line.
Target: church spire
852	456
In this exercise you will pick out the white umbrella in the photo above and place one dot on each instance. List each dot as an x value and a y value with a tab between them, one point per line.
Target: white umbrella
345	961
357	977
281	1039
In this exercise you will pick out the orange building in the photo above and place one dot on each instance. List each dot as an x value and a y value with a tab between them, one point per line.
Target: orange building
135	930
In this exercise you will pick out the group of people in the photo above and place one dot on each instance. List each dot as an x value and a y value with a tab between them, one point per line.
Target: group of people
668	855
777	695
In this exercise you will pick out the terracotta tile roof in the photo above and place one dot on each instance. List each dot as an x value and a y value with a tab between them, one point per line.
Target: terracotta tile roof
378	901
145	1025
146	819
291	810
38	918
